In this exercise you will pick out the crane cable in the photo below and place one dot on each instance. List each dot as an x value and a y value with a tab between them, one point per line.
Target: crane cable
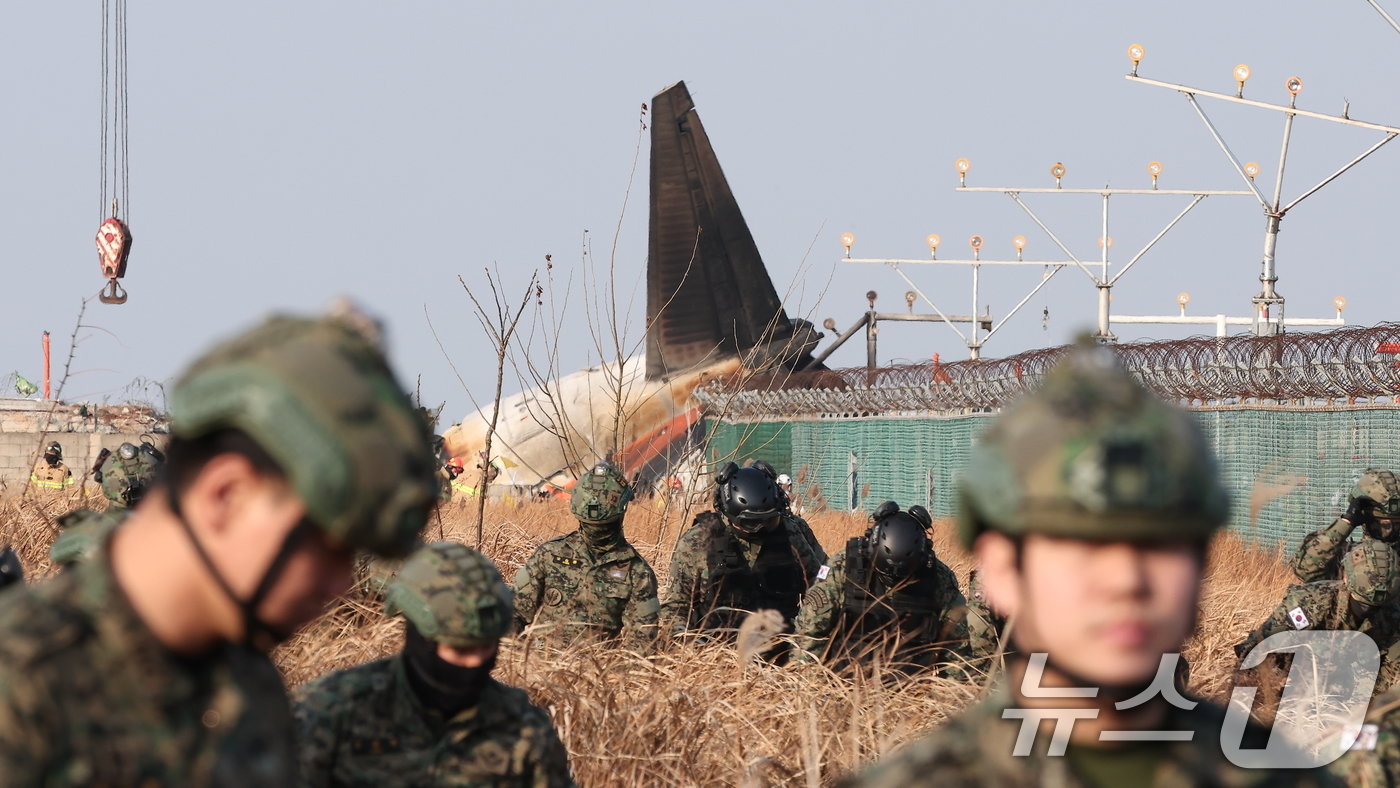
114	194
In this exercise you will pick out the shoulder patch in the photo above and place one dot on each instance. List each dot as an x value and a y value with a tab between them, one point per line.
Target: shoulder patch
824	572
618	573
1299	618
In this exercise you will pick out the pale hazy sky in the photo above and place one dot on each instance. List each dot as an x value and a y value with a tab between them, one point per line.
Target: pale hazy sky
286	152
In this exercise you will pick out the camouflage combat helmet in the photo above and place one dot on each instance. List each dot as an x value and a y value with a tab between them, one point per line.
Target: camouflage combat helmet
84	531
600	496
1383	488
453	595
1092	455
318	396
1371	572
125	482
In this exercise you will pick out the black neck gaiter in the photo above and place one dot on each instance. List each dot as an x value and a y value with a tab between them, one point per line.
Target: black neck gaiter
440	685
602	538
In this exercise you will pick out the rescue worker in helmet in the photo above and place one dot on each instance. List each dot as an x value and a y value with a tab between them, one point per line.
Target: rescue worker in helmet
1374	504
785	486
1088	504
887	597
50	473
591	582
743	556
293	450
11	572
431	714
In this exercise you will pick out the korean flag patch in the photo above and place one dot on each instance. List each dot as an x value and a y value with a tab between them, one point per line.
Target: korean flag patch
823	572
1299	618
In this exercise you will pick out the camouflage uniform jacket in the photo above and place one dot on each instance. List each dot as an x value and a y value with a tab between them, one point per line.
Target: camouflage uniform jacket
566	585
931	625
1324	606
975	749
365	727
690	591
805	529
1319	557
88	696
984	625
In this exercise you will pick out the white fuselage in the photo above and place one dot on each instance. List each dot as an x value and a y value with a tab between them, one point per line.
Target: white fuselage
553	431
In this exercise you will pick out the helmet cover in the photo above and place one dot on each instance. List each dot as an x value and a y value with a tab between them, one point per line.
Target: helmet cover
1093	455
319	397
453	595
1371	572
600	496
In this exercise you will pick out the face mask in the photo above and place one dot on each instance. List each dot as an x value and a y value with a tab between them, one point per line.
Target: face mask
440	685
602	537
1386	530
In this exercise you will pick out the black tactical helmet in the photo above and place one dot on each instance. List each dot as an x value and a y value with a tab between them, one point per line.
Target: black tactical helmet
899	543
54	453
748	498
772	472
11	573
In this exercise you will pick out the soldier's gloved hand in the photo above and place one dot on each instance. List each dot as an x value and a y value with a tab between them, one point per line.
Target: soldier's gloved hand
1360	511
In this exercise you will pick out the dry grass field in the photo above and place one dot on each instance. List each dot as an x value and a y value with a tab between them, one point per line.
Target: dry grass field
693	714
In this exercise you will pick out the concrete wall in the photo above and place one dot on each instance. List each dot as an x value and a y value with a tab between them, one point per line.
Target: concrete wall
27	426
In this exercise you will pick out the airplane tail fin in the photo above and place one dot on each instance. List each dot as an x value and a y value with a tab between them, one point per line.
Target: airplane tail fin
709	296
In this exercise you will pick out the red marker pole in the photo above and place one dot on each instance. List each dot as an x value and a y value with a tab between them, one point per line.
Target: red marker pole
46	365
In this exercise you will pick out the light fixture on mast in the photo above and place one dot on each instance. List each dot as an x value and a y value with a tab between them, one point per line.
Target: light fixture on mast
1268	315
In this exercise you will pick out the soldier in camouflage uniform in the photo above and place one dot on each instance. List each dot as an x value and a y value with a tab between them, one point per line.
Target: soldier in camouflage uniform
130	475
745	556
1088	504
886	597
1374	505
1364	601
292	448
591	582
432	715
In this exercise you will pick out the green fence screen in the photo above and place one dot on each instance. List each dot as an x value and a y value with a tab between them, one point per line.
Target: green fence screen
1289	469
